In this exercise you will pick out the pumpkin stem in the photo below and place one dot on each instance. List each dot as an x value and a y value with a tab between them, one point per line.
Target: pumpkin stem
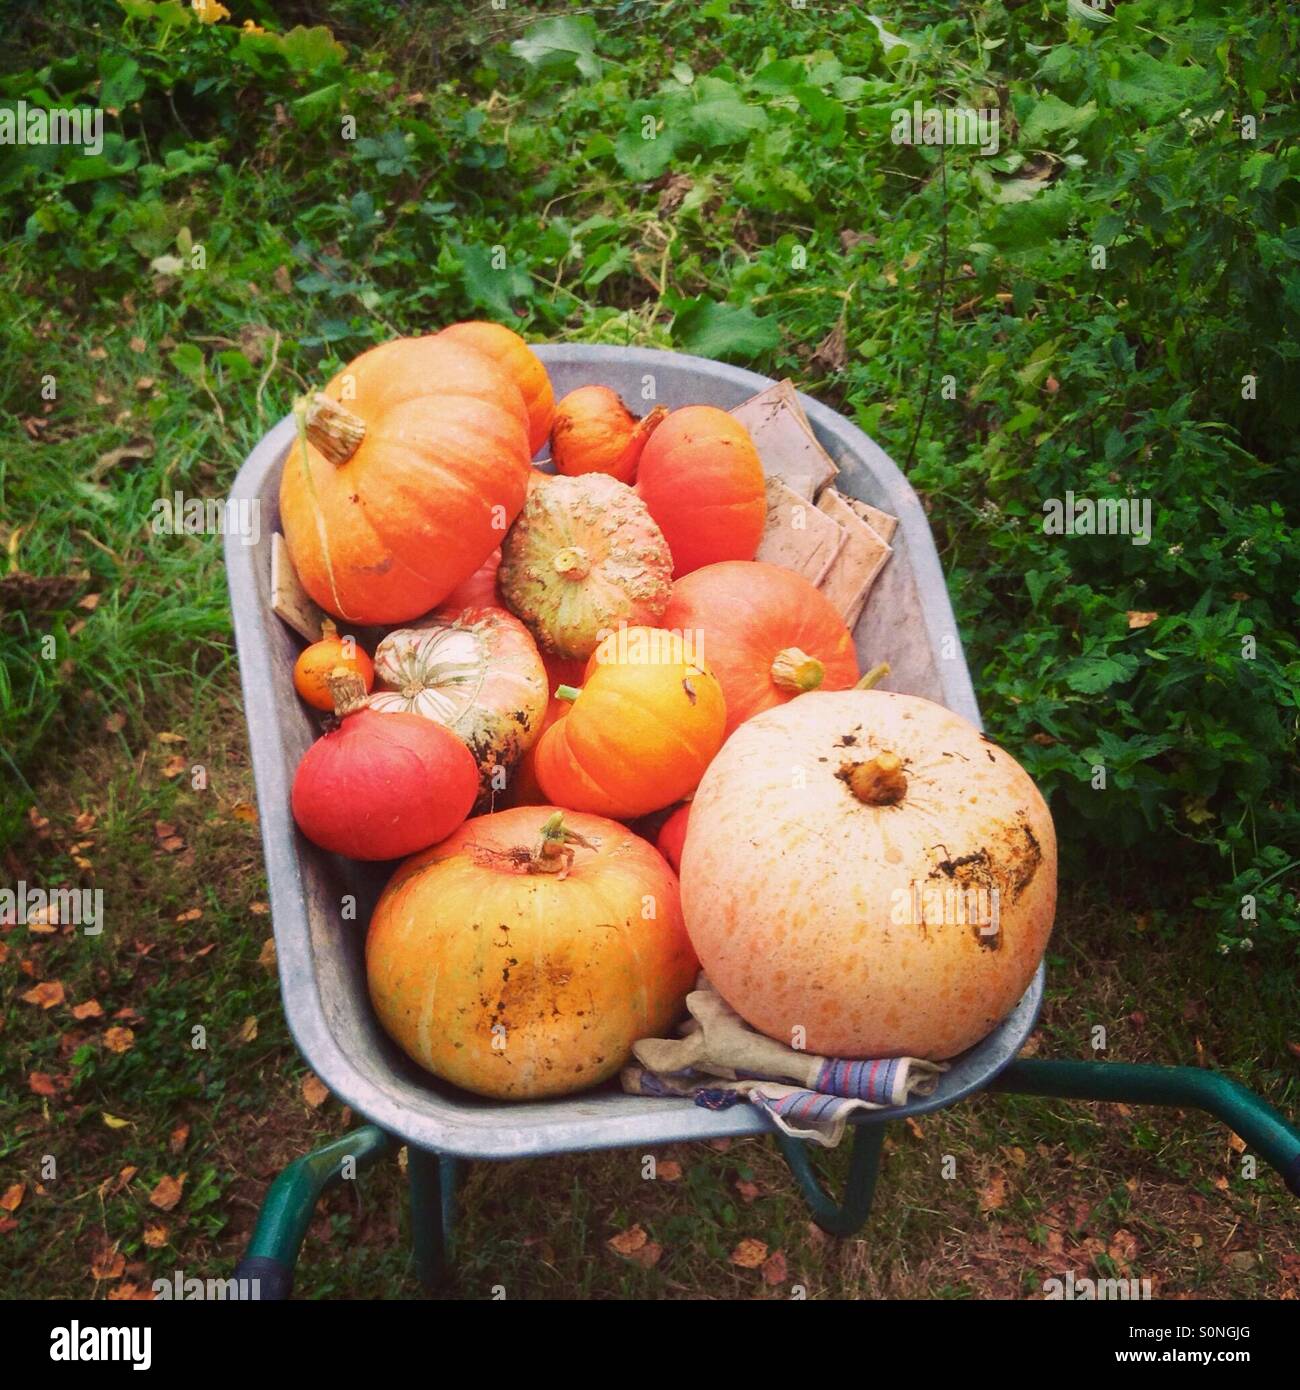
333	429
348	690
554	853
877	673
879	782
328	630
794	669
572	562
567	692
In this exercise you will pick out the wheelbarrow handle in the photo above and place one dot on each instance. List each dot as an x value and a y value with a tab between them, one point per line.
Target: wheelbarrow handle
1263	1128
287	1210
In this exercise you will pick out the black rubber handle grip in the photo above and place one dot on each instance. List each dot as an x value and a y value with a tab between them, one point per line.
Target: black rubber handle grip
274	1277
1291	1175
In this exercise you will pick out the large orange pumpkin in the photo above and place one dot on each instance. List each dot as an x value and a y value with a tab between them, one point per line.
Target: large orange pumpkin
506	348
701	477
766	633
641	731
408	469
867	875
525	955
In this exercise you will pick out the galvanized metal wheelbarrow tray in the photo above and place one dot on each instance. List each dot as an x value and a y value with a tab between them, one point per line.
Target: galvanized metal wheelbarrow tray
908	622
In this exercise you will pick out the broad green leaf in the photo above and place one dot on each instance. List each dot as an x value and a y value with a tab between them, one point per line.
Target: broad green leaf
1050	115
709	329
641	159
560	45
120	82
1090	675
488	287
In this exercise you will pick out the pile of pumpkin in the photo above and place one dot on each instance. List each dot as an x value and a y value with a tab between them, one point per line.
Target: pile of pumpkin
569	659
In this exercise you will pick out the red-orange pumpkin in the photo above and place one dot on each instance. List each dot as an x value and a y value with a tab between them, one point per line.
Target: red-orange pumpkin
525	955
672	836
479	590
701	478
521	364
765	632
381	785
408	468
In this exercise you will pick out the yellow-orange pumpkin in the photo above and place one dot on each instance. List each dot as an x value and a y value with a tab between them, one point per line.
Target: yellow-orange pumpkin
867	875
525	955
509	351
641	731
408	469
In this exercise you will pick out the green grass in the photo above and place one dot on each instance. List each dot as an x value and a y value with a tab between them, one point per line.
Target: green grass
315	248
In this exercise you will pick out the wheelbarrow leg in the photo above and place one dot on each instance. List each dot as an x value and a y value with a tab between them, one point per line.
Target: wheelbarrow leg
434	1178
847	1217
290	1202
1249	1115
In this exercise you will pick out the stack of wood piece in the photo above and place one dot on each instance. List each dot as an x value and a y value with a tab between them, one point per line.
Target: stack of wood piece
836	542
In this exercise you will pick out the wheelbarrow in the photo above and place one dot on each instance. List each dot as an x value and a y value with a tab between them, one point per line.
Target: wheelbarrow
908	620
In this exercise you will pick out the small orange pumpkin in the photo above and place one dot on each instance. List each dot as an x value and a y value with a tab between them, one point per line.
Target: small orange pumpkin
407	469
509	351
641	731
701	477
594	432
312	670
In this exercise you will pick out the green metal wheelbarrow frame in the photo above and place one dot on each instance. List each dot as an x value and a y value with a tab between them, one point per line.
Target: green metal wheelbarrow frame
434	1178
322	975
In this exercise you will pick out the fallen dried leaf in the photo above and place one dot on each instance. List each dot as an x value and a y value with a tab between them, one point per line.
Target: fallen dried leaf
41	1083
748	1190
314	1091
170	738
115	722
774	1268
168	1192
119	1039
113	1121
177	1138
138	344
1137	618
174	766
749	1254
47	994
267	955
245	811
629	1241
155	1236
248	1030
13	1197
90	1009
108	1263
669	1170
191	914
994	1194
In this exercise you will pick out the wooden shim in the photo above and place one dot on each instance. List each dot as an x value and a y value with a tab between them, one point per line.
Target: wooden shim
880	522
861	558
290	602
786	445
798	536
